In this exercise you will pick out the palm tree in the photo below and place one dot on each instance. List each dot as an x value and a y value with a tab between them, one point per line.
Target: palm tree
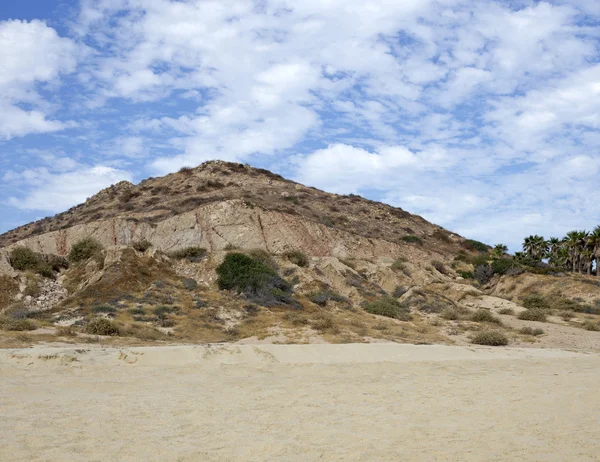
575	242
535	247
499	251
554	245
594	245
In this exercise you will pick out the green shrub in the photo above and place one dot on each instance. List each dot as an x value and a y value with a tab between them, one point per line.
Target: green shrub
264	257
102	326
23	259
84	250
388	306
399	291
503	265
412	239
141	246
531	331
322	297
484	316
535	301
475	246
14	324
297	258
532	315
192	254
465	274
491	338
248	275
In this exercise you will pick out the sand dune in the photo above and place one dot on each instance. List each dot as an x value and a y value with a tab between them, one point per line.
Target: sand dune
298	403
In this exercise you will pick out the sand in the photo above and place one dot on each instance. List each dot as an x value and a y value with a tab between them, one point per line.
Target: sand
299	403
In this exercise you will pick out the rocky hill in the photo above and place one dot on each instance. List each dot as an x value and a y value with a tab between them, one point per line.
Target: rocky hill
228	252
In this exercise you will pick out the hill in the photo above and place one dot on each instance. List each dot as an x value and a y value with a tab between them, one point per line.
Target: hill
228	252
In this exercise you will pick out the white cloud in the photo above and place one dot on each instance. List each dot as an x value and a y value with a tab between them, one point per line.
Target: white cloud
482	116
30	52
58	192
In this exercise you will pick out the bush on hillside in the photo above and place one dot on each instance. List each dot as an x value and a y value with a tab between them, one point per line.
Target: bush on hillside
389	307
532	315
411	239
141	246
535	301
260	283
191	254
102	326
531	331
322	297
16	324
84	250
24	259
297	258
490	338
484	316
475	246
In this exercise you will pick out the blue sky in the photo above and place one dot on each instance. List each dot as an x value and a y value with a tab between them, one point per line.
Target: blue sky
480	116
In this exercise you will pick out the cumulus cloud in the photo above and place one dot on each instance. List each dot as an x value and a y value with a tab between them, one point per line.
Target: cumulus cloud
481	116
30	52
58	192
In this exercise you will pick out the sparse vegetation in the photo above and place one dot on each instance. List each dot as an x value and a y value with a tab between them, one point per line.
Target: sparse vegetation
19	325
591	325
532	315
297	258
141	246
191	254
322	297
84	250
465	274
475	246
490	338
412	239
438	265
484	316
399	291
102	326
389	307
531	331
508	311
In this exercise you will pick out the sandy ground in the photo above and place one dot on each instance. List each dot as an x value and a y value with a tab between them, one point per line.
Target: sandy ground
299	403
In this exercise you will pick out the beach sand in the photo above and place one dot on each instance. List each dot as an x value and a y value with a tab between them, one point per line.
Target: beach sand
299	403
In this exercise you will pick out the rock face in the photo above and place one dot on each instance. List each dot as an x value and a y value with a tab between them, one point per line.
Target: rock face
216	226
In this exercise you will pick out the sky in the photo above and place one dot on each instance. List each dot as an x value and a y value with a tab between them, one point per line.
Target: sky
481	117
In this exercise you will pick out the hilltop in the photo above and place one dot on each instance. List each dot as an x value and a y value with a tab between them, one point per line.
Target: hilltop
227	252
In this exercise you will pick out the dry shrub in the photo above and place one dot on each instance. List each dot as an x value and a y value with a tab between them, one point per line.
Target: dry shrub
591	325
102	326
491	338
532	315
12	324
484	316
509	311
531	331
